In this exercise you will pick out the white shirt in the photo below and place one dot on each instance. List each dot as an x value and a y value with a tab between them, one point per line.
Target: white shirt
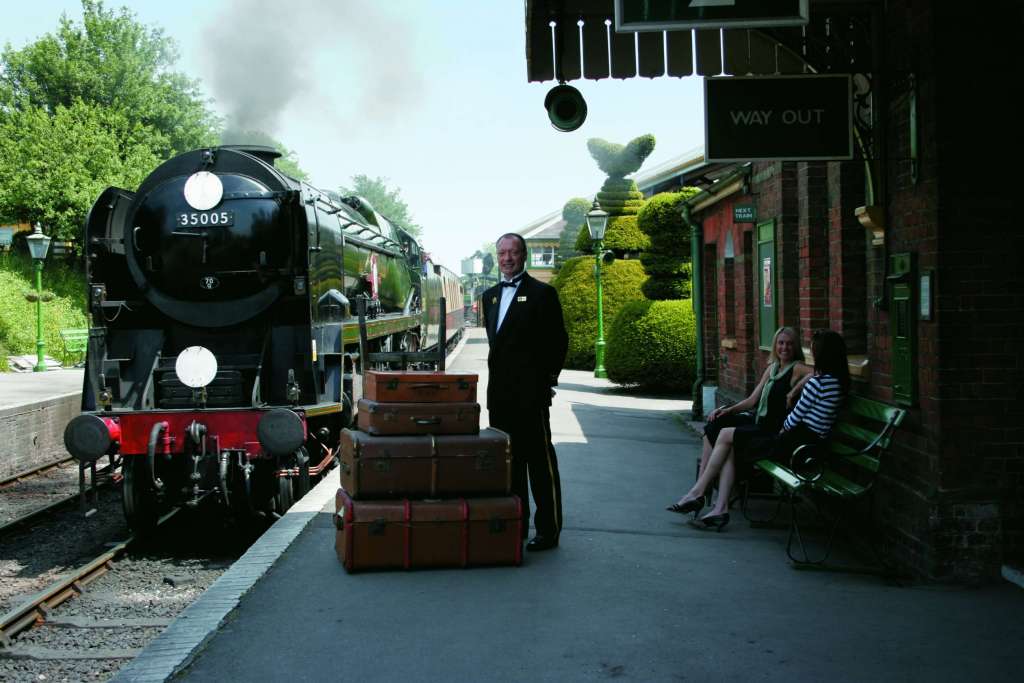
507	294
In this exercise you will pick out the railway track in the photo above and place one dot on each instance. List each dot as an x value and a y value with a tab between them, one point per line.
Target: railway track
98	616
47	489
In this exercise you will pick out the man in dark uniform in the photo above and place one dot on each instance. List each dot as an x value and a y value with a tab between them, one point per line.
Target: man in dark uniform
528	344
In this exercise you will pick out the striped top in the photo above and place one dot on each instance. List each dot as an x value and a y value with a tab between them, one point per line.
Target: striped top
818	405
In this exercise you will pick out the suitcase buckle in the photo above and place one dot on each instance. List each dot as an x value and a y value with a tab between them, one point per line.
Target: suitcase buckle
485	461
382	465
497	525
393	384
377	527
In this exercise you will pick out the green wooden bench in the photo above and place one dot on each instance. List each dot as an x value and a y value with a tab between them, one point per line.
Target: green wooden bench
75	341
835	476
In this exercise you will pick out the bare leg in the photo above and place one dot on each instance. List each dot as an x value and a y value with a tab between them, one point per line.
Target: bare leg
705	454
719	454
726	479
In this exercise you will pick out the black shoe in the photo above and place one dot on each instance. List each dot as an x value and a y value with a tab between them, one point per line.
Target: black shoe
716	522
689	506
542	543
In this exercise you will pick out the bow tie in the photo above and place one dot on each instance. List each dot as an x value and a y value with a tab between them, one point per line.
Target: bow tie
512	283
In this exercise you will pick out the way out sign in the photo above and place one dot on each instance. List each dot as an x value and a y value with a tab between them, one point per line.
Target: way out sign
761	118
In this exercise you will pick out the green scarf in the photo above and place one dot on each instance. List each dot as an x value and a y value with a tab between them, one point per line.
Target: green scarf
774	373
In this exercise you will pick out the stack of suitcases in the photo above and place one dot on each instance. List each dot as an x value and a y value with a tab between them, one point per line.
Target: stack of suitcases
421	484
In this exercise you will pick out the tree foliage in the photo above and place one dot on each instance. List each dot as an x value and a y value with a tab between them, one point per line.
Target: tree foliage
387	202
93	104
574	213
52	167
113	61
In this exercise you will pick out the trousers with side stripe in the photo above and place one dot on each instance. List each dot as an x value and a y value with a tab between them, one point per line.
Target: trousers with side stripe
533	460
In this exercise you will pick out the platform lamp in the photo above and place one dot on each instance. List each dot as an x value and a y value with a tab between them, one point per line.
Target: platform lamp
597	221
38	245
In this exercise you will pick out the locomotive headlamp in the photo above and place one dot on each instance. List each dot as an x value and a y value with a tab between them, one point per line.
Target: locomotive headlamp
196	367
203	190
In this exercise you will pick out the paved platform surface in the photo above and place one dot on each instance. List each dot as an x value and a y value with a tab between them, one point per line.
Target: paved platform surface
23	388
633	592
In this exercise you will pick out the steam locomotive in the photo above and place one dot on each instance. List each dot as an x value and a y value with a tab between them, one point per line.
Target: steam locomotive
224	338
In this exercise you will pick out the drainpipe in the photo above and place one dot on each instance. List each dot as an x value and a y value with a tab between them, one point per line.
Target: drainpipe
697	288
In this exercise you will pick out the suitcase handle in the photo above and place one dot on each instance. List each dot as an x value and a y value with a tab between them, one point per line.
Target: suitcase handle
426	420
438	386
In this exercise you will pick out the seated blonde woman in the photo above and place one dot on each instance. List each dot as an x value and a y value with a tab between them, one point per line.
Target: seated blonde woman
733	433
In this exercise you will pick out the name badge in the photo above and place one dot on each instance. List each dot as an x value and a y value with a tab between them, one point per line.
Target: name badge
520	298
494	300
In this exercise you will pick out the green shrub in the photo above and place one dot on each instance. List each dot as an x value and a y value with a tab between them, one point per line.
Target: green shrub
18	317
659	288
620	283
661	219
652	344
623	235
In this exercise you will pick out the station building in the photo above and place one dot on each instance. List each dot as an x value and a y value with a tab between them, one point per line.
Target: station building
911	250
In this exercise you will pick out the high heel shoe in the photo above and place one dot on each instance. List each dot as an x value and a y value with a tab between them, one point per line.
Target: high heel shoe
716	522
689	506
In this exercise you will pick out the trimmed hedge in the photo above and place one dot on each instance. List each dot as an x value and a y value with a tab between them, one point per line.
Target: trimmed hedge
668	259
622	235
661	219
620	283
652	344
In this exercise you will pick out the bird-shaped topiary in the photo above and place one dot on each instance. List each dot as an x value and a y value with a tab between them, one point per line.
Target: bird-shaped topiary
619	196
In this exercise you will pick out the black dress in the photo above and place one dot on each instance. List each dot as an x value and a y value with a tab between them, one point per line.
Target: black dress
753	441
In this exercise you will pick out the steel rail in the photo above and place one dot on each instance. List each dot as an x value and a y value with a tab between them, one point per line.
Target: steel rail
42	469
34	611
105	477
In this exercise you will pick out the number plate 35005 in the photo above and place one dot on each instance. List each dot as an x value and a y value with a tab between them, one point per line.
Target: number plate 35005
196	219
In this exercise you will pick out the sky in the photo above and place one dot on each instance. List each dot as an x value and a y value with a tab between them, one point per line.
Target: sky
429	94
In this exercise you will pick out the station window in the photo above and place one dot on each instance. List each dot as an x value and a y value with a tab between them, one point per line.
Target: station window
542	257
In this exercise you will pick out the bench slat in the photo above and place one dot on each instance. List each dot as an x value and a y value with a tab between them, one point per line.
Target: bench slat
781	473
834	483
856	433
873	410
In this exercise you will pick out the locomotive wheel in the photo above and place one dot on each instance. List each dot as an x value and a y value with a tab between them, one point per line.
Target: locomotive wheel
285	494
138	496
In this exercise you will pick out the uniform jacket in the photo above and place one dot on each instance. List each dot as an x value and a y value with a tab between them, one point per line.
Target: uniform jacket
527	352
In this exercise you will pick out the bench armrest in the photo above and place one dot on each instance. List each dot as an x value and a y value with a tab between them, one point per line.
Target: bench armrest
807	462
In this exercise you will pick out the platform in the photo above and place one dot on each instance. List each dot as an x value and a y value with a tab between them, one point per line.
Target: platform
633	591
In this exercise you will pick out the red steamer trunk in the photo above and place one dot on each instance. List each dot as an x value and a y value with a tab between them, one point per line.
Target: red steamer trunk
407	534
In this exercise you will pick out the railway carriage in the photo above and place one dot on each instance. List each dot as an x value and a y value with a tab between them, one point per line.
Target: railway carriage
223	342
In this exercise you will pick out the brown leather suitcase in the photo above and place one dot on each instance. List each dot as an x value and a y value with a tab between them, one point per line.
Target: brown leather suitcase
417	386
408	534
425	466
418	418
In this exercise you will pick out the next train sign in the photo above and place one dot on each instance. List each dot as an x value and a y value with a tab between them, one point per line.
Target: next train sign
762	118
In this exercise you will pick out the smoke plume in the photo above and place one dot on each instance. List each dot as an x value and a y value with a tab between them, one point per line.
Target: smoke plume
265	56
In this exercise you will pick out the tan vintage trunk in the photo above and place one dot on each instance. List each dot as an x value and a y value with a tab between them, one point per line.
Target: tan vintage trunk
416	386
425	466
418	418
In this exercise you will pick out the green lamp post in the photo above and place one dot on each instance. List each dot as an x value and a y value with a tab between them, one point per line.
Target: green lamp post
38	245
597	221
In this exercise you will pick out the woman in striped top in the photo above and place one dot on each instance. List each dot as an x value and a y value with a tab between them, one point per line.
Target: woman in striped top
814	414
